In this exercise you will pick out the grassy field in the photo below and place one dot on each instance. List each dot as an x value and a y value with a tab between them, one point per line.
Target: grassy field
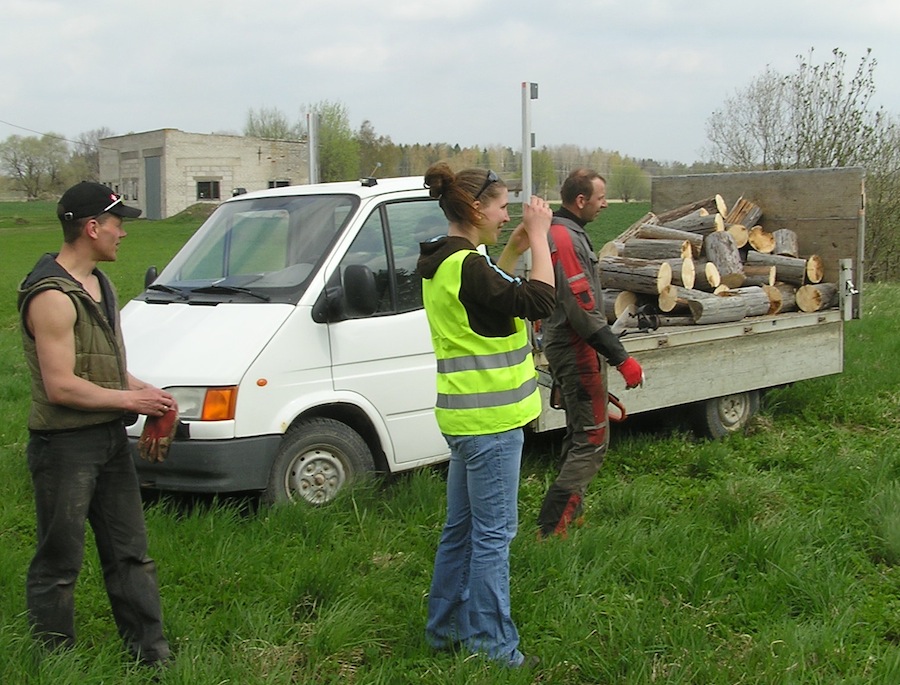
770	557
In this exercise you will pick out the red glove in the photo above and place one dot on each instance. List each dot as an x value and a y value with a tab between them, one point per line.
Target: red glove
157	435
632	372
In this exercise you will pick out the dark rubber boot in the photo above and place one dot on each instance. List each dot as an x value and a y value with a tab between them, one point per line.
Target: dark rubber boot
559	509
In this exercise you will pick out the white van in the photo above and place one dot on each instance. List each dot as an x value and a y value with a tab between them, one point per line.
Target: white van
290	329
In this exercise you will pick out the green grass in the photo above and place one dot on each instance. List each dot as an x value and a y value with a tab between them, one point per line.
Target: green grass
770	557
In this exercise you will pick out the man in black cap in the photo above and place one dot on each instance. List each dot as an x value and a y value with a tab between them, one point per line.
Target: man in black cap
78	452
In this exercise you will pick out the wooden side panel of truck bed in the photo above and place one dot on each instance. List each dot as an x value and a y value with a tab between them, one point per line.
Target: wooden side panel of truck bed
687	364
826	207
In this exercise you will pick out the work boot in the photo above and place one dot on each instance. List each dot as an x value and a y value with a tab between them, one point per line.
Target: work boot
560	508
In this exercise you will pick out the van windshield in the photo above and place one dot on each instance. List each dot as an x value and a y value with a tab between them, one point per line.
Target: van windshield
255	250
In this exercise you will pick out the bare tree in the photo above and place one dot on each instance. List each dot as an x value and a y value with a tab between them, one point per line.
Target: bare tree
752	130
270	123
85	159
817	117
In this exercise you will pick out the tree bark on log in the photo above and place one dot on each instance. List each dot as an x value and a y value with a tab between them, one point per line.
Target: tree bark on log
788	295
706	275
722	251
793	270
786	242
717	309
644	248
759	274
701	224
648	218
635	275
683	272
657	232
713	205
761	240
754	298
818	296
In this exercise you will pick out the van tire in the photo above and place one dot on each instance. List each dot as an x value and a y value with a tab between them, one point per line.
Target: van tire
317	459
721	416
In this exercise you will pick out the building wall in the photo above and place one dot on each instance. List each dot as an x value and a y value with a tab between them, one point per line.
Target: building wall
190	162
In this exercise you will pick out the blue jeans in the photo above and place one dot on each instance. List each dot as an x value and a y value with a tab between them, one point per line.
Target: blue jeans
83	476
468	605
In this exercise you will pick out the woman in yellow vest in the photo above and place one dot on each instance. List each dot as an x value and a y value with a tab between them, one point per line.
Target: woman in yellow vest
486	393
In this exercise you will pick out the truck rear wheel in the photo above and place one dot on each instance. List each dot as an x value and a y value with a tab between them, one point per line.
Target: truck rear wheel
317	459
721	416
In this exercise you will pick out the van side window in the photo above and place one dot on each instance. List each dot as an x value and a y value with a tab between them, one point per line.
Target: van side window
412	223
402	225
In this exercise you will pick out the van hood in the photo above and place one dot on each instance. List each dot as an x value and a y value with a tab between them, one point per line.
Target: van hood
180	344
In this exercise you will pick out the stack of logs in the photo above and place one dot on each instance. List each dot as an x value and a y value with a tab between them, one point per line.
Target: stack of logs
705	263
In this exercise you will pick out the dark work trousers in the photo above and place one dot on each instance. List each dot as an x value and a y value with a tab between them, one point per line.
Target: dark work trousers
579	371
80	475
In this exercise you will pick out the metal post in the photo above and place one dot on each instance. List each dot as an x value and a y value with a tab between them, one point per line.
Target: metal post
312	143
529	93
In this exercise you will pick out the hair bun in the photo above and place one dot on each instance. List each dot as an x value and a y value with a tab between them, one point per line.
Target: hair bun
438	179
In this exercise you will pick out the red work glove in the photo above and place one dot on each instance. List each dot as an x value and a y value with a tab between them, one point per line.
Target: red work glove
157	435
632	372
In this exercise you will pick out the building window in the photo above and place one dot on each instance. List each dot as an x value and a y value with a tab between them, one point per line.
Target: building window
280	183
208	190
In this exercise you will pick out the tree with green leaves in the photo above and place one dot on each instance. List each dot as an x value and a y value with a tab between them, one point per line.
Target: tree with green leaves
543	175
35	165
378	156
339	150
627	181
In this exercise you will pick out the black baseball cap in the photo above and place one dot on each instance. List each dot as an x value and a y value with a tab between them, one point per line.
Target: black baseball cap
92	199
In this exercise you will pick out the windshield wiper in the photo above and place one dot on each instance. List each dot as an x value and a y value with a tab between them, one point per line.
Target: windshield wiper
178	292
216	288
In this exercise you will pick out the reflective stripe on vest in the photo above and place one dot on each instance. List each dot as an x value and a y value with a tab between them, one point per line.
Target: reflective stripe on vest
485	385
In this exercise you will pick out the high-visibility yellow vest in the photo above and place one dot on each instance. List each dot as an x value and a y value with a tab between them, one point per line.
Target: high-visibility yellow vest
484	385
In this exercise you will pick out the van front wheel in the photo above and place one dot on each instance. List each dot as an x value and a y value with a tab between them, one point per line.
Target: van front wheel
318	457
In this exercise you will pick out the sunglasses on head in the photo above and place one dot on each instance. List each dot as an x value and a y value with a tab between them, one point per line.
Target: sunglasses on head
491	178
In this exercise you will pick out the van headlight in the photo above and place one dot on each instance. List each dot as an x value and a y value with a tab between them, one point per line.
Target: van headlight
205	404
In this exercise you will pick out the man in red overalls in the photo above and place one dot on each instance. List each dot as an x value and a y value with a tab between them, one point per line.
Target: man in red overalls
573	336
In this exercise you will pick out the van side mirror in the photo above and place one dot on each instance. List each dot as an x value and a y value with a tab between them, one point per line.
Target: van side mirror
347	296
360	296
150	276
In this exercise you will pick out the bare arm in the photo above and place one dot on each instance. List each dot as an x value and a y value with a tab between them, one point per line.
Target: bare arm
51	319
532	232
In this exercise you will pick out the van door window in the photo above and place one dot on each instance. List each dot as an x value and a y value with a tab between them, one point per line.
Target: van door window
402	226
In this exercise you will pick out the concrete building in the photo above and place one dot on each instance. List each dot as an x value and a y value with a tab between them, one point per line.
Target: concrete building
163	172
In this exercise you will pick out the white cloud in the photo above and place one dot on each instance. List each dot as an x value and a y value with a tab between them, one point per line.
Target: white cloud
639	77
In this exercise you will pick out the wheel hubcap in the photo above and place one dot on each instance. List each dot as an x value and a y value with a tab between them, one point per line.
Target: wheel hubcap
315	476
732	410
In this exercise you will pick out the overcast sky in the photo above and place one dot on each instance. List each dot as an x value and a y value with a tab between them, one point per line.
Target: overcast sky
640	77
